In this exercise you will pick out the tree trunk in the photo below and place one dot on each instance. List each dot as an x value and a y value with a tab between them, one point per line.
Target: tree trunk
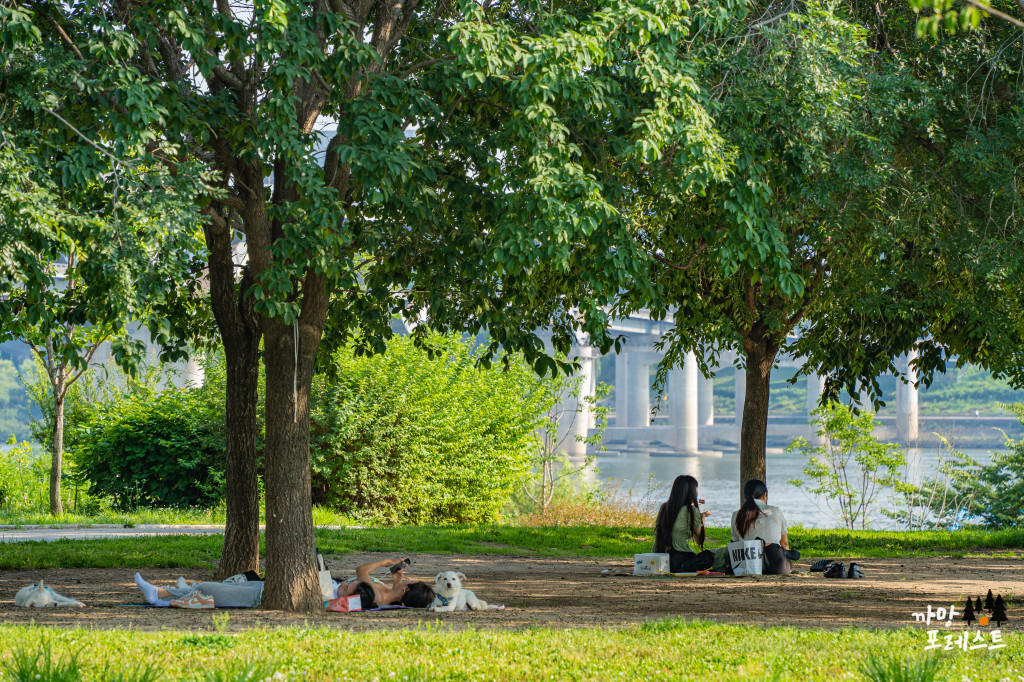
56	463
241	550
754	430
292	583
240	334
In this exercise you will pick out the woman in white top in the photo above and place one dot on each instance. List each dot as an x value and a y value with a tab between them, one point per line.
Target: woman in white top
756	519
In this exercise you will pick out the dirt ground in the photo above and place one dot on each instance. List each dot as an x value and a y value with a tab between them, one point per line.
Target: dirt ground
568	593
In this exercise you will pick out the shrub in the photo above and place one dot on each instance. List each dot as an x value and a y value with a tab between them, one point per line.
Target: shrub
153	447
24	477
852	467
404	438
999	486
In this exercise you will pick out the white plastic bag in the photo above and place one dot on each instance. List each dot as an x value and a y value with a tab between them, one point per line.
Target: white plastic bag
746	557
326	582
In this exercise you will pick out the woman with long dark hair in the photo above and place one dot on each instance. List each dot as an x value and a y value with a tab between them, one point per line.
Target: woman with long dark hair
757	520
679	529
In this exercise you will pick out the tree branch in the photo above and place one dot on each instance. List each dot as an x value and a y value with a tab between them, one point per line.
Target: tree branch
996	13
675	266
64	36
422	65
84	137
88	358
748	296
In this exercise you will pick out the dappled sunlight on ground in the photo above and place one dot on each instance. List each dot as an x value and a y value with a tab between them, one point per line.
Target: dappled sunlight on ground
570	593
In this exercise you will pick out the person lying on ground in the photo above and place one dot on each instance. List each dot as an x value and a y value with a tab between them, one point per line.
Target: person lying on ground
679	531
249	594
756	519
418	595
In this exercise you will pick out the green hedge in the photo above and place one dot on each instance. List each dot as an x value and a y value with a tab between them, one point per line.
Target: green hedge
403	438
396	438
157	448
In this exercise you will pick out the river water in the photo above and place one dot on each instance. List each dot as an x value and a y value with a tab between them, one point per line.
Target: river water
635	473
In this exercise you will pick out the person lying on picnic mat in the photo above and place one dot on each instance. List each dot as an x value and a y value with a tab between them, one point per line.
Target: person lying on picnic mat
418	595
757	519
238	593
679	531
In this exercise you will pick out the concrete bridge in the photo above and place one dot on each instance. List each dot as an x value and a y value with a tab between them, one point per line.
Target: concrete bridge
689	403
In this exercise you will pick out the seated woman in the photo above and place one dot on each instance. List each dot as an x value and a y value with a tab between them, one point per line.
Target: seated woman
679	530
756	519
249	594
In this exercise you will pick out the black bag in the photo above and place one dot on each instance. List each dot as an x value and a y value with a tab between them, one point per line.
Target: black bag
688	562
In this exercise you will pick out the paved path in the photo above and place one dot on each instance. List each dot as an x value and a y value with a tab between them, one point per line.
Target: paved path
27	533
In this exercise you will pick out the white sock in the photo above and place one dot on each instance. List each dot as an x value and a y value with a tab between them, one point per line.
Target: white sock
149	591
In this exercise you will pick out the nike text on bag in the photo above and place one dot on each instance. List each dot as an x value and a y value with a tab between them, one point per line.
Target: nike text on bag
746	557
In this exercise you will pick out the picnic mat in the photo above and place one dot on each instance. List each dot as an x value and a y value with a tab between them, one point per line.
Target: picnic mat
161	603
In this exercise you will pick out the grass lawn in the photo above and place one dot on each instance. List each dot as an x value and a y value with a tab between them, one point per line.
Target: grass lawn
583	541
322	516
670	649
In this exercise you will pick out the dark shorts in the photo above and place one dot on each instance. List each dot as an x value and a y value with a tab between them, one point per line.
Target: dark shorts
688	562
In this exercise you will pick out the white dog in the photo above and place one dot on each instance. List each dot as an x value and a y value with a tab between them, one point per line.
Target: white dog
449	595
40	595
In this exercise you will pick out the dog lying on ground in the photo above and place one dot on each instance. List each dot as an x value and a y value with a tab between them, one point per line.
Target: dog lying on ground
449	595
39	595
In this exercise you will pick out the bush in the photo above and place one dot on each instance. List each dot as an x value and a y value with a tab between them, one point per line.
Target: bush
994	491
24	477
157	447
404	438
852	467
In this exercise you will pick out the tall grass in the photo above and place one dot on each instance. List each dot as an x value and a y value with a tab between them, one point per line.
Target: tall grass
615	506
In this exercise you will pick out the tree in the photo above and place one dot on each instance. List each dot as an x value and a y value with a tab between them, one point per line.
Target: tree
852	467
91	233
790	100
449	220
818	245
551	465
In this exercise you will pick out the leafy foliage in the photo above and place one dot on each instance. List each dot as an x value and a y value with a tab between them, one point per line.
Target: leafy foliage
14	405
23	477
153	447
95	232
553	472
406	438
852	467
994	491
942	501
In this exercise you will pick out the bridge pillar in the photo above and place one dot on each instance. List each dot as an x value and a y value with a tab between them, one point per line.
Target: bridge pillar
906	401
588	386
705	400
815	387
577	416
194	374
639	390
621	389
741	395
683	403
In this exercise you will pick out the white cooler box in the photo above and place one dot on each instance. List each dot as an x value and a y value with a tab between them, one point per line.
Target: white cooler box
650	564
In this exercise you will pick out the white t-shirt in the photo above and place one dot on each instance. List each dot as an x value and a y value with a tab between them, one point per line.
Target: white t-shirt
770	525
